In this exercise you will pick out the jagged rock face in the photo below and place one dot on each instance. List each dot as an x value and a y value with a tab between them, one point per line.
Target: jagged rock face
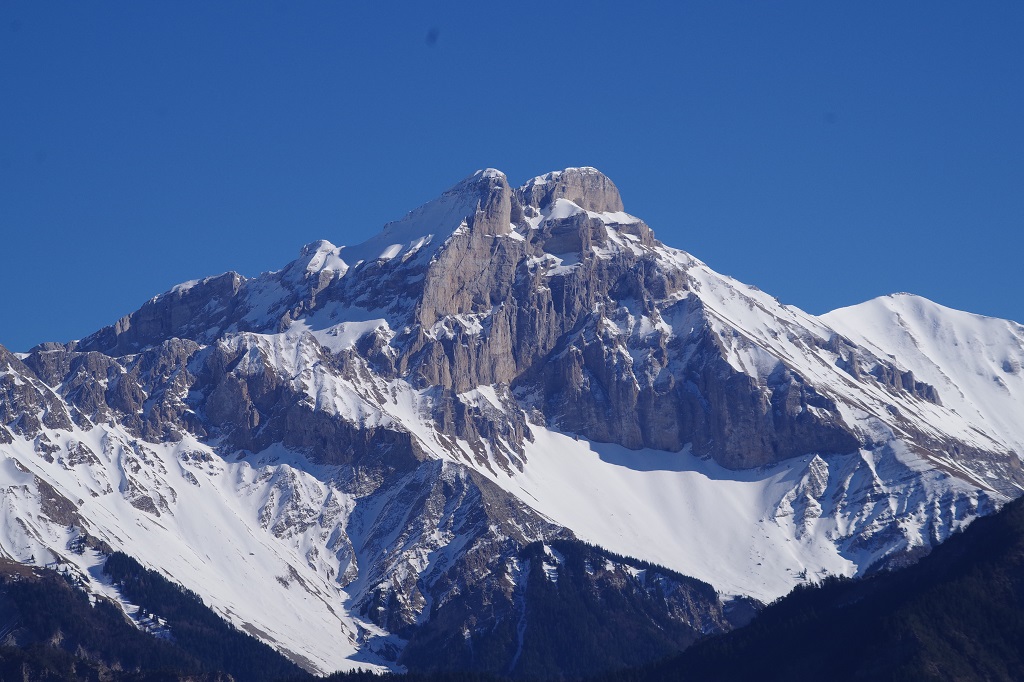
492	627
184	312
145	392
721	412
26	406
249	401
588	188
453	507
548	289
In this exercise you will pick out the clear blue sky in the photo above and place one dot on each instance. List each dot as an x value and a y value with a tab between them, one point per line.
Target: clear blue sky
828	152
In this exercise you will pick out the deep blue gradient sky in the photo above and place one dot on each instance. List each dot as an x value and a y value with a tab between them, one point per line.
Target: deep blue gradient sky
828	152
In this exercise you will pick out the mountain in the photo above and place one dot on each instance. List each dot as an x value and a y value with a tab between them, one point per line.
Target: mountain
369	454
956	615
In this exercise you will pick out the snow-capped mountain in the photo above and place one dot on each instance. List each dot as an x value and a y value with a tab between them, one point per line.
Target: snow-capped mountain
367	454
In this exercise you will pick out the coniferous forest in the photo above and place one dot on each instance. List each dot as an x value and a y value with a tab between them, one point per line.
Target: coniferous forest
59	635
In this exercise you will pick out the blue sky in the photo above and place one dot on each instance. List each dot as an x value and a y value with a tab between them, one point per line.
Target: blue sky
828	152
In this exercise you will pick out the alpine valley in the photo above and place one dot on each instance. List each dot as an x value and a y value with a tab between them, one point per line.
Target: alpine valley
513	433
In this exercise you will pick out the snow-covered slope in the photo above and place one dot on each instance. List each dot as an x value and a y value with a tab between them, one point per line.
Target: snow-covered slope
976	363
756	532
200	519
347	457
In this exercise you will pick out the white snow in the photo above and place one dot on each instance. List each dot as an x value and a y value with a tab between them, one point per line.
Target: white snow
672	509
562	209
615	218
184	286
344	335
207	536
976	363
733	529
428	225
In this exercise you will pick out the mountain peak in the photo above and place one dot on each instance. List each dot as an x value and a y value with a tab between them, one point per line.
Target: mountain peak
480	201
586	187
316	257
483	203
487	173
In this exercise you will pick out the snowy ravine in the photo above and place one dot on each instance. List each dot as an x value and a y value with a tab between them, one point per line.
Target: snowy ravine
333	454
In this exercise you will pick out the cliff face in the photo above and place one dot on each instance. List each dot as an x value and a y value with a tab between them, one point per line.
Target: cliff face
399	420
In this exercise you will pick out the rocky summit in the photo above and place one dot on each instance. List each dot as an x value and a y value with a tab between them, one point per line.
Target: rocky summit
511	407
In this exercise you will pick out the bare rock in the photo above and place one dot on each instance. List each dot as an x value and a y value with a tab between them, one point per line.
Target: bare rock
586	187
